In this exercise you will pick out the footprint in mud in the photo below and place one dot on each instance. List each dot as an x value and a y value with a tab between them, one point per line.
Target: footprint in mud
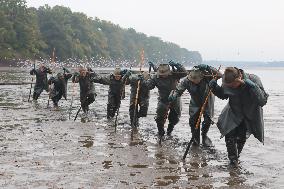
88	141
107	164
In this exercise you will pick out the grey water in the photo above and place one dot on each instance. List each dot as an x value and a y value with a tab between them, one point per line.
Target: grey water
42	148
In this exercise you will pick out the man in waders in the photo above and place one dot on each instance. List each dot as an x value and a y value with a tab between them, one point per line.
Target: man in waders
142	97
41	80
196	83
87	88
116	82
243	115
60	86
166	80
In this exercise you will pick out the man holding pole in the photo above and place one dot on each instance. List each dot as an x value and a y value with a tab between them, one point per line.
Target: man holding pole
196	83
60	86
139	95
116	82
87	89
166	80
243	115
41	80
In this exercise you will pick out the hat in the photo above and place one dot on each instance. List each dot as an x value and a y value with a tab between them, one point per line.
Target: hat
117	71
230	75
163	70
59	75
195	75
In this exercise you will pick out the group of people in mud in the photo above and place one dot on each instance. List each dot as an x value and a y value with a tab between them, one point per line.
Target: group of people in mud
241	117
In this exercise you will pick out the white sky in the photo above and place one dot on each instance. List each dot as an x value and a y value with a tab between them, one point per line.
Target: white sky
251	30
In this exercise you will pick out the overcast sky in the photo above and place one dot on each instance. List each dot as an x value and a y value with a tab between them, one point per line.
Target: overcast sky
251	30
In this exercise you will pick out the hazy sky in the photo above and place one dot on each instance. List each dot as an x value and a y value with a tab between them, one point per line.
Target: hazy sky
218	29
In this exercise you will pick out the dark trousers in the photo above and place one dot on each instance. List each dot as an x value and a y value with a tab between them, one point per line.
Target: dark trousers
56	99
38	90
162	115
86	101
141	109
113	105
235	141
205	126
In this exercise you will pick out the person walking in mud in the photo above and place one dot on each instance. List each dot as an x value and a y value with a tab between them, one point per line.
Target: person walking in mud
60	86
166	80
41	80
196	83
142	97
243	115
87	89
116	82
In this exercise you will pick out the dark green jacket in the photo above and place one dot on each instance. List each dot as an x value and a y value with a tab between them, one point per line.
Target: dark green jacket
166	85
144	92
245	104
41	78
86	84
60	85
198	95
115	86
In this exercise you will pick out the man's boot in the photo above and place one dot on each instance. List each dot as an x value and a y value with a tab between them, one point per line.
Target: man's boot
110	111
206	141
161	131
232	151
170	129
240	145
195	133
55	105
35	96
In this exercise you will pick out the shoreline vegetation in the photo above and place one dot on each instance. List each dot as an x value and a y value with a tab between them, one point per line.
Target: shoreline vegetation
44	32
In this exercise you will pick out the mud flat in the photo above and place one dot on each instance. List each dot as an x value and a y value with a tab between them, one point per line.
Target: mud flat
42	148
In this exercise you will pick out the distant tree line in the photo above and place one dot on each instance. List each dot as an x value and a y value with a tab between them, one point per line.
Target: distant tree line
32	33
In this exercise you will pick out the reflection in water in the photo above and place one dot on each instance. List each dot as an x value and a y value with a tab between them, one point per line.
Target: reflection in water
135	138
138	166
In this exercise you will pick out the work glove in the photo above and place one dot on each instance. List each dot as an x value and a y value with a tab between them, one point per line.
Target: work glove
76	74
203	67
172	97
89	69
123	72
172	63
127	73
65	70
140	77
212	84
151	64
249	83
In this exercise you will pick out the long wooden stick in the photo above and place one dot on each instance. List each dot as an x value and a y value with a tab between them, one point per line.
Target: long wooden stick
49	90
31	86
199	117
135	119
205	102
70	109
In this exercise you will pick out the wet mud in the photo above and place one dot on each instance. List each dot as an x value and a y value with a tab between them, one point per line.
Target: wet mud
41	148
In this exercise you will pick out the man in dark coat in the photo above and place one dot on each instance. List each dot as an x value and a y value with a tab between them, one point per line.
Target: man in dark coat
59	86
41	80
116	82
196	83
87	88
243	115
166	80
142	98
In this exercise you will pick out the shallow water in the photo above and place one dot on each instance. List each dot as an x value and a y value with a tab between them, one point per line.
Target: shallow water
42	148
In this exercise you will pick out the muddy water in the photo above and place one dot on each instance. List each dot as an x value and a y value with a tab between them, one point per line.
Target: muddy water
42	148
